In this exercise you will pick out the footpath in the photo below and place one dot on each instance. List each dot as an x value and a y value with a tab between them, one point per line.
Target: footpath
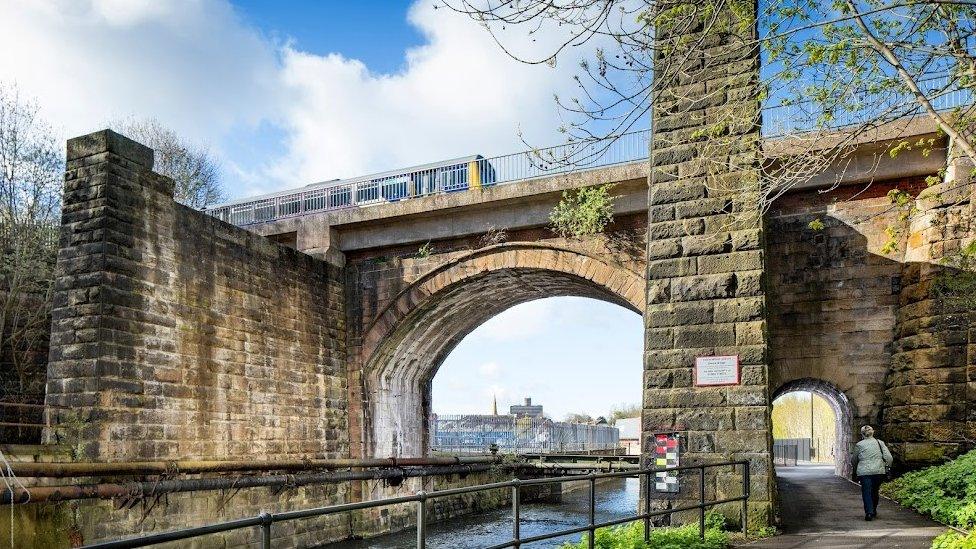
819	509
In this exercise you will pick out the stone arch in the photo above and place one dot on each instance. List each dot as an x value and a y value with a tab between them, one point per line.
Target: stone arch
843	412
414	333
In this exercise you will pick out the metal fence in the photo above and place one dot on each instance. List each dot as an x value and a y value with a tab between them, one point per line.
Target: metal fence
477	433
859	107
785	454
265	521
450	176
477	172
24	422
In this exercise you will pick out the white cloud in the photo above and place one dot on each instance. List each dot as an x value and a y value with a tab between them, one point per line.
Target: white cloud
191	64
458	95
489	369
197	67
521	322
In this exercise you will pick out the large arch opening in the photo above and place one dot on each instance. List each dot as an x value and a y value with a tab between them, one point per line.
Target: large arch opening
812	421
412	337
550	375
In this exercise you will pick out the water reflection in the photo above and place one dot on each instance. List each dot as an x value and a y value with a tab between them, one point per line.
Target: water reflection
614	498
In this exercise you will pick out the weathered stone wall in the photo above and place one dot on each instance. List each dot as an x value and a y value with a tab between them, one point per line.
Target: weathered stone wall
929	398
833	299
833	294
705	288
184	337
178	336
407	311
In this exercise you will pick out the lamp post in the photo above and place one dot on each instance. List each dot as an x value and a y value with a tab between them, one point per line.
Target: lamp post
811	425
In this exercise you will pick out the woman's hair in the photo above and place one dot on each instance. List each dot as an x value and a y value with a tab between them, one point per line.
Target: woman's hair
865	429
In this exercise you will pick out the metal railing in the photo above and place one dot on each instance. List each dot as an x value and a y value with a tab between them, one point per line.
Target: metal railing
476	172
266	520
449	177
23	422
860	107
512	434
783	454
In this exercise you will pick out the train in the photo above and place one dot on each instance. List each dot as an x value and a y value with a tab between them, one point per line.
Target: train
447	176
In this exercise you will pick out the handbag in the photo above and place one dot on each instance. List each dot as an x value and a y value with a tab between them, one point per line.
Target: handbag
887	467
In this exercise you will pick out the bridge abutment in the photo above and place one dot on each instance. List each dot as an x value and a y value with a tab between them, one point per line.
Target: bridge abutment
706	266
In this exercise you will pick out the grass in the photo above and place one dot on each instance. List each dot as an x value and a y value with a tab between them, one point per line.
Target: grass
631	536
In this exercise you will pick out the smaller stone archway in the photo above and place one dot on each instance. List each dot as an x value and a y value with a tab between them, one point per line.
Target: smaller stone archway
412	336
843	414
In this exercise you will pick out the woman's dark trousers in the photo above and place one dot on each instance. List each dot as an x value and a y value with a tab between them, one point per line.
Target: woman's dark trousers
870	484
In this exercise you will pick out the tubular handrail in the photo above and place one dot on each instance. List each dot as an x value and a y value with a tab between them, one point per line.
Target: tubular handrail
266	520
462	174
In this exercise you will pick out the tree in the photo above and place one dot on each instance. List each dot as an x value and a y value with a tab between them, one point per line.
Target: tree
31	171
578	417
860	64
195	173
624	411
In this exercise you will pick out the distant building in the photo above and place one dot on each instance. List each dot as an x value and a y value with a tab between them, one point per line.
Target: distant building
526	410
629	428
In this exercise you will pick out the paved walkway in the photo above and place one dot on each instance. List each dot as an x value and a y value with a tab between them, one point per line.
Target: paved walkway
824	511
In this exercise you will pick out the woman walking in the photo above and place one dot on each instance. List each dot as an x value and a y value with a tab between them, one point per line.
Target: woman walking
872	461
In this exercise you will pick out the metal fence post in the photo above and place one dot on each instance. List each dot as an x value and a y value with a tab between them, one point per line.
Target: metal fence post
745	499
266	521
516	501
647	506
592	531
701	502
421	520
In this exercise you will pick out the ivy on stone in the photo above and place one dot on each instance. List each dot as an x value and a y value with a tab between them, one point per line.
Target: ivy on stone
583	212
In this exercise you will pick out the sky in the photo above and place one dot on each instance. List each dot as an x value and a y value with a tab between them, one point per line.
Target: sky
569	354
284	94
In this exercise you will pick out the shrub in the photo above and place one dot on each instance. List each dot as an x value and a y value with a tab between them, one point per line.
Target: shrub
952	540
631	536
583	211
945	492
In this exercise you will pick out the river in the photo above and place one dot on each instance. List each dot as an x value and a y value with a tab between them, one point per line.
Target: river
614	498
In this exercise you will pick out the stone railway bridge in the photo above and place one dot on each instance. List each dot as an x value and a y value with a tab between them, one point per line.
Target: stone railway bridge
179	336
176	335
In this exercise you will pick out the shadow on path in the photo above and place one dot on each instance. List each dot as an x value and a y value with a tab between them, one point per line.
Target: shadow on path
819	509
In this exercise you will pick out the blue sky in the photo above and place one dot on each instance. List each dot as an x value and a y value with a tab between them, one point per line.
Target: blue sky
374	31
285	94
570	354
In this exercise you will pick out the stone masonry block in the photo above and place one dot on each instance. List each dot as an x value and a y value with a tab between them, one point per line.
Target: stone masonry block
109	141
702	336
694	288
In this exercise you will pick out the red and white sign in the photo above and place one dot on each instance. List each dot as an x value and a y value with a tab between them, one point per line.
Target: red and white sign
717	371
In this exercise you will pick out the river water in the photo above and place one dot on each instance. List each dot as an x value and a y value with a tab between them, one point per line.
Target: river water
615	498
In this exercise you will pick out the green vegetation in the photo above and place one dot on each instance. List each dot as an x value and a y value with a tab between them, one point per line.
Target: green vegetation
424	251
791	419
946	493
631	536
583	212
624	411
953	540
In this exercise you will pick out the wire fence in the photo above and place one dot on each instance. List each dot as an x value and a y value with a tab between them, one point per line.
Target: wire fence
512	434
